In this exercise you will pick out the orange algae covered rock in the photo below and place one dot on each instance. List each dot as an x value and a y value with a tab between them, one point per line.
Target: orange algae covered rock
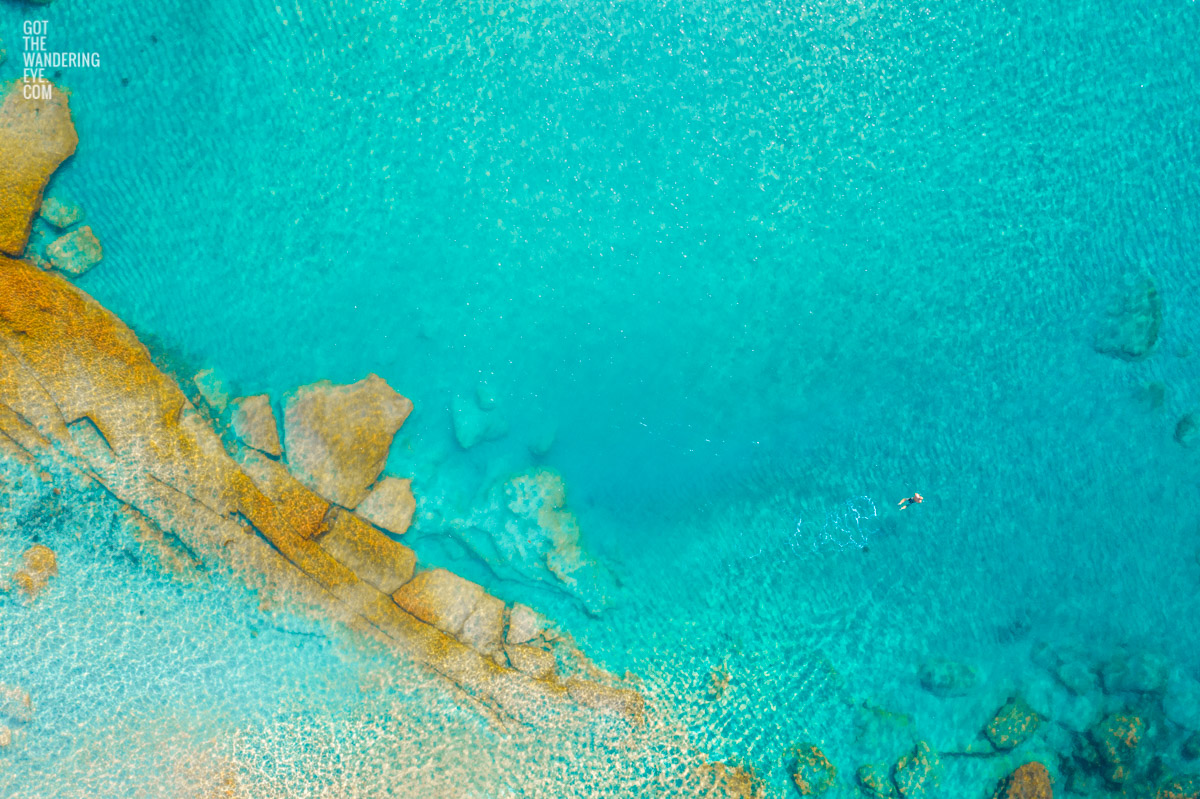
1179	788
1012	724
303	509
36	136
1030	781
1117	740
718	780
40	565
337	437
812	772
917	773
369	553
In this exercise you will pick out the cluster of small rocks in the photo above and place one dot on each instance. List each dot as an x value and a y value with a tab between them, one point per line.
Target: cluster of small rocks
1130	331
59	242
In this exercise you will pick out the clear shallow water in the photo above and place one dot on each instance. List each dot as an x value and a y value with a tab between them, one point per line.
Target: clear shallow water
749	262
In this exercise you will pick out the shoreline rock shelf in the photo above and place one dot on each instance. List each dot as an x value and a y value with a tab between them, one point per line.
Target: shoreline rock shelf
97	397
35	137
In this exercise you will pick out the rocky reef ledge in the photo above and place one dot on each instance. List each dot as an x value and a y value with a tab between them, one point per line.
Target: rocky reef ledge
79	391
78	388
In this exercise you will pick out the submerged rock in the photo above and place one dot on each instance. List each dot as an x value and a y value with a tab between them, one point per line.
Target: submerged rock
525	531
1052	700
875	782
369	553
1077	677
946	678
811	771
40	565
1187	787
1030	781
212	388
484	628
536	662
1117	742
1191	747
390	505
473	424
254	423
15	704
1140	673
35	137
61	213
1130	328
337	437
917	773
75	252
1012	724
524	624
619	701
1181	702
726	781
1187	429
543	438
440	598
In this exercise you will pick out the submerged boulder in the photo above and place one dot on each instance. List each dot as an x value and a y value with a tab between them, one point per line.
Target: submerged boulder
1030	781
1012	724
75	252
811	771
474	423
1077	677
1181	701
15	704
1179	788
35	137
524	624
531	660
40	565
1191	747
1139	673
918	773
525	531
390	505
369	553
1187	429
946	678
875	782
254	423
484	628
60	212
714	780
337	437
440	598
1117	745
212	388
1130	327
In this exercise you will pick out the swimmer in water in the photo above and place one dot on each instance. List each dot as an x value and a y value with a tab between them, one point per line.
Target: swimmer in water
915	499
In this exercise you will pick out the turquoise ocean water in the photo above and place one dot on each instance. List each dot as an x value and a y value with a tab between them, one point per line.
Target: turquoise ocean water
760	268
